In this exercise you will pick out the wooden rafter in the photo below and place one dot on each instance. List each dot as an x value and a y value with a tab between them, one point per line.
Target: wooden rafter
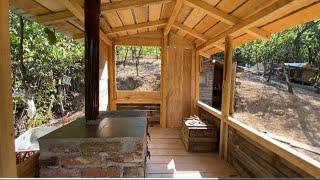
248	23
225	17
139	26
173	16
190	31
105	8
78	11
128	4
104	25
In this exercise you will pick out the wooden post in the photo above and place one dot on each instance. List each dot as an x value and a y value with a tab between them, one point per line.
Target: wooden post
112	78
197	81
7	151
193	83
164	82
92	28
226	97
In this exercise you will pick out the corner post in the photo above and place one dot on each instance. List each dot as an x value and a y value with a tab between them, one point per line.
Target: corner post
226	96
7	152
92	38
164	82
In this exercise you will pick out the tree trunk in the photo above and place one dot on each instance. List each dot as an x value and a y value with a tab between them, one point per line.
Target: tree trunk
23	69
125	57
137	61
290	89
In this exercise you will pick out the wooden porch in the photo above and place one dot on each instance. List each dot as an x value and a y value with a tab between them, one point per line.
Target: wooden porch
169	158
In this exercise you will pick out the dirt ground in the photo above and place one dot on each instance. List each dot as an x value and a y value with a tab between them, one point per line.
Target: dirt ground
269	107
147	80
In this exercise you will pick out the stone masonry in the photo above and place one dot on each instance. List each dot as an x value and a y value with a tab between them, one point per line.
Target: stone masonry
93	157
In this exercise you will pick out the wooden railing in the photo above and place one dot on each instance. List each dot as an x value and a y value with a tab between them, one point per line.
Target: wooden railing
300	160
138	97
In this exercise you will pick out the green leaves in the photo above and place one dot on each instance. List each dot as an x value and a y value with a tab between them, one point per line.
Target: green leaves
47	55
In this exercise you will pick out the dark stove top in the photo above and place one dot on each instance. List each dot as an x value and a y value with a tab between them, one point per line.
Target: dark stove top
110	125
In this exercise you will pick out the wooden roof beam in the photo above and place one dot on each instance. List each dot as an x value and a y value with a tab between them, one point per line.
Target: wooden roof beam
139	26
249	22
106	7
128	4
190	31
75	8
225	17
173	17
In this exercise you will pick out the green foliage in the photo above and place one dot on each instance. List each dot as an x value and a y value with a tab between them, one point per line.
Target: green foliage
47	56
298	44
132	51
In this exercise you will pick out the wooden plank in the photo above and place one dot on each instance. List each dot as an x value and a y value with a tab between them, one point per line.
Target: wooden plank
300	160
197	80
137	95
112	78
154	14
138	41
141	15
76	10
209	109
53	18
139	26
225	17
7	151
193	83
129	4
249	22
164	82
190	31
127	19
194	17
61	16
226	96
173	16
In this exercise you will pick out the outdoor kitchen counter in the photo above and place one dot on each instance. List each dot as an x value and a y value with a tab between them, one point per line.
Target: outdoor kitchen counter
113	146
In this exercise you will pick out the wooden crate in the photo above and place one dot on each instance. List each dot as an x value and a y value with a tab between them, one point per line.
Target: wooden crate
199	138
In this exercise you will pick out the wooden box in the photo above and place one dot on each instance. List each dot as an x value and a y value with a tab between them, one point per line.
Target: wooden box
199	136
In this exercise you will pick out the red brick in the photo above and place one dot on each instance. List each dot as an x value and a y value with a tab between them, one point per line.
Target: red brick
49	162
139	146
93	172
115	158
131	172
60	172
81	160
133	158
63	149
100	147
112	171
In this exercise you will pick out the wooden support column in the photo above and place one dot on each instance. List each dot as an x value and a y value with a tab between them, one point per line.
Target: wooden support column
7	151
92	28
226	97
197	81
164	82
112	79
